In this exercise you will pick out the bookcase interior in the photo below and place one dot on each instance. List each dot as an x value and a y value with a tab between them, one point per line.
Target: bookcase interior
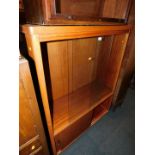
80	77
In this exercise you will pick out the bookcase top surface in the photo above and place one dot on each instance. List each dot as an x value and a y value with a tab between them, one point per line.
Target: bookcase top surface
50	33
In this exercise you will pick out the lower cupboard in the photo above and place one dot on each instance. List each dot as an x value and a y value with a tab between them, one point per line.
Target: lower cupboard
74	130
70	133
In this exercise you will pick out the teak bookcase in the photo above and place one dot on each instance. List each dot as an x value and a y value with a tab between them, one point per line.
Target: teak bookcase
77	69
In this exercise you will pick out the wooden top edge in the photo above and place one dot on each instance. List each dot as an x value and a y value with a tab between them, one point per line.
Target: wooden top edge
52	33
78	23
43	30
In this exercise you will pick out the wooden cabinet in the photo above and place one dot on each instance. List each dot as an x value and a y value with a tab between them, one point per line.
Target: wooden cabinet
69	12
31	133
77	69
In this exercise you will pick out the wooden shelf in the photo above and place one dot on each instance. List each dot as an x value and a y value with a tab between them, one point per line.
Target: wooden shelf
70	108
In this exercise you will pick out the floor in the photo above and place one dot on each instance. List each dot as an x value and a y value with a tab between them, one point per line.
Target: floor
114	134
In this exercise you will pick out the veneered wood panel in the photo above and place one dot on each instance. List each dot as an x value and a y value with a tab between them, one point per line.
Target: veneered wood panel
73	131
26	121
80	7
52	33
83	61
30	123
115	8
33	11
103	58
58	64
72	64
74	12
39	11
49	9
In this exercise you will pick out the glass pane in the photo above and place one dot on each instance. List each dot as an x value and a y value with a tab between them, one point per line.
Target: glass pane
86	84
77	71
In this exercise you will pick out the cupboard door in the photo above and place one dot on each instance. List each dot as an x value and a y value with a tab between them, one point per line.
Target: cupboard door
73	131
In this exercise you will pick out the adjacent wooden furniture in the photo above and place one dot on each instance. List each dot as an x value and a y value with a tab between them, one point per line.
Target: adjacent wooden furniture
81	12
31	133
128	65
77	69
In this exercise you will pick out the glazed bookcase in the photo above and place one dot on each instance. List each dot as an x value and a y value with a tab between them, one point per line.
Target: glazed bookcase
77	69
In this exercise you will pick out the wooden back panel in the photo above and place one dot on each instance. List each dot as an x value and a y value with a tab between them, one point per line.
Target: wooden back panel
116	8
71	69
69	64
33	11
82	67
58	64
103	58
80	7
